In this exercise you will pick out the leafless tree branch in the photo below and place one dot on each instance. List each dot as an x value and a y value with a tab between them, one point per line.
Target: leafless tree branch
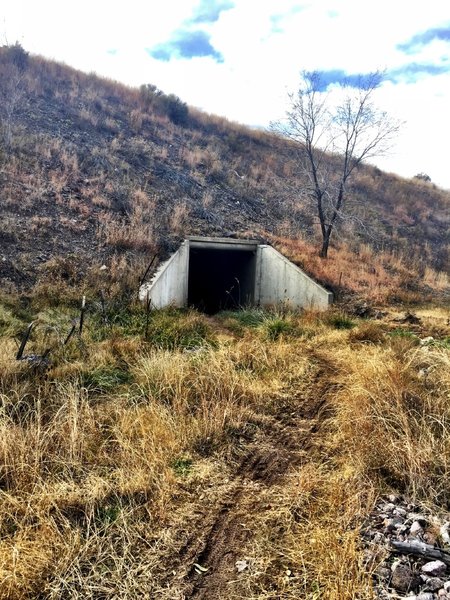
353	131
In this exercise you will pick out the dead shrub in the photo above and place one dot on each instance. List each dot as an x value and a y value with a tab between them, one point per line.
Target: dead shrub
368	333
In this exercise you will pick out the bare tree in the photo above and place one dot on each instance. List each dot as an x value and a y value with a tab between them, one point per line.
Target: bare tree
351	130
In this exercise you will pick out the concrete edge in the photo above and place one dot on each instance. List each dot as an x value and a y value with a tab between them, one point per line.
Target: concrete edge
292	264
146	287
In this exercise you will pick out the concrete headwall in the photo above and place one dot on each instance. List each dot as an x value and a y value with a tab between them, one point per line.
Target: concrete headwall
169	286
273	278
279	280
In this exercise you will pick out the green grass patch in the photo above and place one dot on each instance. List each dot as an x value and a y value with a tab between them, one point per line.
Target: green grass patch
276	327
444	343
182	466
106	378
403	333
244	318
116	319
271	323
175	329
108	514
9	324
340	321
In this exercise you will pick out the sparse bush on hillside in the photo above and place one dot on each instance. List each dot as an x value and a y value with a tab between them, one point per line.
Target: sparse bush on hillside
423	177
170	104
148	94
16	55
176	109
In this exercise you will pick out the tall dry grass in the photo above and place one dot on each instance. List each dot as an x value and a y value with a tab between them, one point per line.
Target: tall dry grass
383	277
393	417
109	458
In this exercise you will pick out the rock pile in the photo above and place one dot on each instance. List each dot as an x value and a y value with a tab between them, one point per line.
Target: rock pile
407	548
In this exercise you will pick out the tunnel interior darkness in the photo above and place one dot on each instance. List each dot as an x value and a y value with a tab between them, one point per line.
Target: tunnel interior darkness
221	279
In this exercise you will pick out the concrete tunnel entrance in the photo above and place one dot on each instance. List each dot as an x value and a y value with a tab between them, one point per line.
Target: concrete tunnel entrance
213	274
221	279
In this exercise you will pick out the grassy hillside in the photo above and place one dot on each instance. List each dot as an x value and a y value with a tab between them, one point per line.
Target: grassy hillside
94	172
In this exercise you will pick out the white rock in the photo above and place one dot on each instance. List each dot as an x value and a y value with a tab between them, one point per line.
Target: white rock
396	563
444	532
417	517
416	528
241	565
435	567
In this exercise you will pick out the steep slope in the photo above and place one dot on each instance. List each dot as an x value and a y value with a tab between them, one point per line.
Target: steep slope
92	169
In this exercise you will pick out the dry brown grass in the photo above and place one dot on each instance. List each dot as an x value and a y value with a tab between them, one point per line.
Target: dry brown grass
127	457
380	277
123	450
136	231
393	416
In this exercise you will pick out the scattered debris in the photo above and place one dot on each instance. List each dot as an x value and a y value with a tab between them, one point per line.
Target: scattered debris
241	565
199	569
405	546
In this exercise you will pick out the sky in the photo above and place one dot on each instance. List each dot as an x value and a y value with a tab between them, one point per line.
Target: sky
241	58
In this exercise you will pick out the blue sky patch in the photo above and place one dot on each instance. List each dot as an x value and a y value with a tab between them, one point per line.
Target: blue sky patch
412	72
208	11
186	44
338	76
418	41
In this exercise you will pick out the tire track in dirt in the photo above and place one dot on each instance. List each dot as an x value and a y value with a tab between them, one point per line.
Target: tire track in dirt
285	442
218	533
264	464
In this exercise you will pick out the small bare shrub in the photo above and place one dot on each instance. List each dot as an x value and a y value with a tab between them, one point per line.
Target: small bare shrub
179	219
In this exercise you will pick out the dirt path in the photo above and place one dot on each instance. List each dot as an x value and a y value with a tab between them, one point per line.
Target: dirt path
282	443
194	556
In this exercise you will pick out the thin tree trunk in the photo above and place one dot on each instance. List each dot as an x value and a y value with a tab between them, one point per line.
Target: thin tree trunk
325	245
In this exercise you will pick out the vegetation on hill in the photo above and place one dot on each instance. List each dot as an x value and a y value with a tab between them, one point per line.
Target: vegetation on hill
95	172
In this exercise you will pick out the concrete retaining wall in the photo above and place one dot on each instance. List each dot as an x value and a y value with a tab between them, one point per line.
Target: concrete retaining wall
280	281
169	286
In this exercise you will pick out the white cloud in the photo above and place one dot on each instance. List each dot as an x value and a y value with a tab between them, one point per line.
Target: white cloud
422	142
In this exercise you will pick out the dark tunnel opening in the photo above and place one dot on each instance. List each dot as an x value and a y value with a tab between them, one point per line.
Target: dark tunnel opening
221	279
